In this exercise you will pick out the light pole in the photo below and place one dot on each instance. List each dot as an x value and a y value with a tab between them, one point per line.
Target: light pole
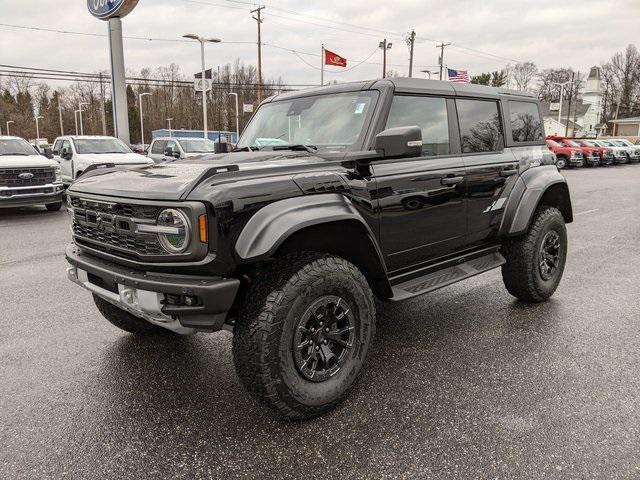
141	117
169	121
9	123
202	41
384	45
38	128
235	97
80	110
427	72
561	85
75	116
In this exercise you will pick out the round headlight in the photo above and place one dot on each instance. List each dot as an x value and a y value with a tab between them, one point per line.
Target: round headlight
174	232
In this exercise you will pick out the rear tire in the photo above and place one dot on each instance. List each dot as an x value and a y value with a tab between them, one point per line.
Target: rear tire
561	163
536	260
54	207
280	350
125	321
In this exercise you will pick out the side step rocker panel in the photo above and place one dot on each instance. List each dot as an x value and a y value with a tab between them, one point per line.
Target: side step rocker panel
447	276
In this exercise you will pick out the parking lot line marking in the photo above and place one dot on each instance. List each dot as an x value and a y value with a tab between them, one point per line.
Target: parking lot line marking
587	211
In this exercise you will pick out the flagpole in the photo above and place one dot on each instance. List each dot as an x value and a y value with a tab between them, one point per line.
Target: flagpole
322	67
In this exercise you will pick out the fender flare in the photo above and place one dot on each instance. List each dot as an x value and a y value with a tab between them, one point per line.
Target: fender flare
525	198
273	224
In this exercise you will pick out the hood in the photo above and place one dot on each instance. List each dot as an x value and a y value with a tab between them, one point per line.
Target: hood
174	180
22	161
118	158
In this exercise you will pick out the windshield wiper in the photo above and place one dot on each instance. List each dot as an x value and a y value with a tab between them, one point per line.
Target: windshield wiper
308	148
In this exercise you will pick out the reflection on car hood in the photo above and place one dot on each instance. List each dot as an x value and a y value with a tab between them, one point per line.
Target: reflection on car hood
174	180
117	158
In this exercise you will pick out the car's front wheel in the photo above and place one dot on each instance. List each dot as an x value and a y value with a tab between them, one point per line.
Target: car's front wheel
536	260
303	333
561	163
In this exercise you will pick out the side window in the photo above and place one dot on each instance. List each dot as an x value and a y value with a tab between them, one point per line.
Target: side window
57	147
526	125
66	144
172	145
428	113
480	129
158	147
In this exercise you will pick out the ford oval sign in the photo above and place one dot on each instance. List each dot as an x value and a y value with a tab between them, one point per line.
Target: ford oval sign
106	9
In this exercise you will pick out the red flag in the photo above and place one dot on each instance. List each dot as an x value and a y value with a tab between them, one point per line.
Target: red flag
331	58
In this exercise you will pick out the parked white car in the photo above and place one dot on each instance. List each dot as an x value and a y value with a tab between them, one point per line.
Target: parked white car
620	153
634	150
77	153
27	178
163	149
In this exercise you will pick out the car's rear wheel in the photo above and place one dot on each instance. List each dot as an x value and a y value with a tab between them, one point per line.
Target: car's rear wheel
303	333
536	260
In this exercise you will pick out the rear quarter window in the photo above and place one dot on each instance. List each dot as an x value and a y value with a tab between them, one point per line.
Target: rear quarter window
526	124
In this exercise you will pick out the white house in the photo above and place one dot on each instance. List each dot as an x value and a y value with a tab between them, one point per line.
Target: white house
583	116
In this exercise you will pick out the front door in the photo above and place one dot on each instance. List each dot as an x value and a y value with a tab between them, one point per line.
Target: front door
421	200
66	161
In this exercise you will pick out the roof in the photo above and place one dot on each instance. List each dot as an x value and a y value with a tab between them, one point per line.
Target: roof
408	85
563	121
626	120
11	137
578	108
88	137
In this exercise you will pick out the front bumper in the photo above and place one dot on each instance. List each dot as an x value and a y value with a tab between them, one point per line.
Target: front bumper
576	162
621	160
607	160
152	296
593	160
13	197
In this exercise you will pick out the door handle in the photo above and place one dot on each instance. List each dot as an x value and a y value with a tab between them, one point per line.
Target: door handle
507	172
451	180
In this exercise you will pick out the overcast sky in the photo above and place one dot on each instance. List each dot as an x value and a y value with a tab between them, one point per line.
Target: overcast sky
551	33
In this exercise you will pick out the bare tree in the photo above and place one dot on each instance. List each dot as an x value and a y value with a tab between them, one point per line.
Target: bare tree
523	75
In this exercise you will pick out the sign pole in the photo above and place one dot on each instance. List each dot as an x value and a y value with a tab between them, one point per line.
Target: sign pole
322	67
118	81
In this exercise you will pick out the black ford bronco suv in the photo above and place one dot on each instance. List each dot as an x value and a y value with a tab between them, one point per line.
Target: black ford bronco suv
334	196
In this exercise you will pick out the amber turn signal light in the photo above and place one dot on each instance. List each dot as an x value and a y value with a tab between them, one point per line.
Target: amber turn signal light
204	232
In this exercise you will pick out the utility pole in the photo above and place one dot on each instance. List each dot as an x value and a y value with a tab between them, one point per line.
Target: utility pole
60	117
441	58
384	45
566	130
258	19
412	41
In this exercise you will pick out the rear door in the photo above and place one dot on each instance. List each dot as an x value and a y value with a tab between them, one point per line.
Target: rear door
489	166
421	200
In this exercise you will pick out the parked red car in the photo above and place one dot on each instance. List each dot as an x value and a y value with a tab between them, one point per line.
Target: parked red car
566	156
591	155
606	154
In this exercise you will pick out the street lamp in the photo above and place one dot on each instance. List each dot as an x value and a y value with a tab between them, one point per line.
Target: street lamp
80	110
202	41
235	96
75	116
38	128
141	117
169	121
9	123
384	45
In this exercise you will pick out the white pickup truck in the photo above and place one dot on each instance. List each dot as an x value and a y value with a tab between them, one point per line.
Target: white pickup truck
77	153
27	178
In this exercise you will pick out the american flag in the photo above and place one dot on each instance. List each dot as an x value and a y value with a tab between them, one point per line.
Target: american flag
457	76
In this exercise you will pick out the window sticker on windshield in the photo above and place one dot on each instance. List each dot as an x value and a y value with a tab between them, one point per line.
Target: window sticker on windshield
359	108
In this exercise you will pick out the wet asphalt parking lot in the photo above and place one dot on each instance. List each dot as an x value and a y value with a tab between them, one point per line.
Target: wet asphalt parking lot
463	383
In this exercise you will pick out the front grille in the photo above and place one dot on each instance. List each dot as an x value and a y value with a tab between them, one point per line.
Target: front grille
10	177
113	242
111	227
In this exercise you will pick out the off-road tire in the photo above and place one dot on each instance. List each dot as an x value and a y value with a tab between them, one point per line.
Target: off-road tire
521	274
54	207
125	321
264	332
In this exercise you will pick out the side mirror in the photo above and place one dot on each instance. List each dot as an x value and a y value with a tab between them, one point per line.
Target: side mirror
221	147
48	153
399	142
66	154
169	152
